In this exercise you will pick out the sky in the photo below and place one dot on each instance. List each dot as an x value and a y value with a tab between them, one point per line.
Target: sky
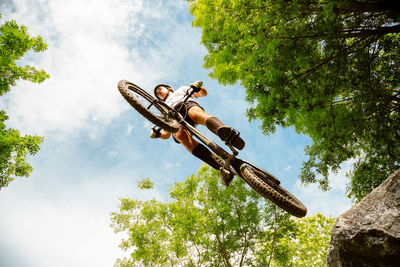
96	146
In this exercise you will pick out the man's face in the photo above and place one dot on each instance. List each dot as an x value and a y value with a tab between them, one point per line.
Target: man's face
163	92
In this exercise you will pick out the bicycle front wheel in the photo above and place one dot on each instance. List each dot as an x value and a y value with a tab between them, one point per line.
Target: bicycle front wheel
267	187
149	107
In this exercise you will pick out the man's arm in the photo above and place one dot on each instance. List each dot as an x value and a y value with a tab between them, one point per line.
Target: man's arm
200	90
164	134
201	93
159	133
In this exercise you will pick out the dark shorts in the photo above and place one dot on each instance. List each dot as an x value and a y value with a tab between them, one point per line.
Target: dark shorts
183	109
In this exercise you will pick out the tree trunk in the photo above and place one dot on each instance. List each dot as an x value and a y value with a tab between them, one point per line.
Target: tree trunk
371	6
222	251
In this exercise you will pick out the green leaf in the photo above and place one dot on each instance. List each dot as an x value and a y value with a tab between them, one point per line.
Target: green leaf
14	43
208	224
145	183
330	69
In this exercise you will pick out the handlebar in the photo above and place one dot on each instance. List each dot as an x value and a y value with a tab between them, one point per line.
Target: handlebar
189	95
184	101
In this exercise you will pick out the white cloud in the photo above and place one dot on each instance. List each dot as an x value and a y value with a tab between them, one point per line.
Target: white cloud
147	125
84	59
91	46
68	226
333	202
112	154
129	129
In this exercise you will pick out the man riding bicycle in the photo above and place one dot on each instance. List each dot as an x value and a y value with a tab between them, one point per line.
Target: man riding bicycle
194	114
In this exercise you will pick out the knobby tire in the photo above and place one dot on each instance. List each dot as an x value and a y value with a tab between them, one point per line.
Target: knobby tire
126	88
269	189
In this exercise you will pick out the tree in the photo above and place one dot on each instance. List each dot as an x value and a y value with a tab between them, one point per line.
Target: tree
310	246
207	224
330	69
14	43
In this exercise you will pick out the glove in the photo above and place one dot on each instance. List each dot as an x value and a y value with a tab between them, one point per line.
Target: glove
196	86
155	133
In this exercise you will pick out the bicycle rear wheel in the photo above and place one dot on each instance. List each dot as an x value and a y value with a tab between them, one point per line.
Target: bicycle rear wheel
267	187
149	107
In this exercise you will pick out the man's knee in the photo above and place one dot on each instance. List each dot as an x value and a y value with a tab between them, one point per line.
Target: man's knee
181	135
198	115
185	139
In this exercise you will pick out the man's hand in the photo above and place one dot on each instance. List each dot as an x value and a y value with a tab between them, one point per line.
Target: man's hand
155	133
196	86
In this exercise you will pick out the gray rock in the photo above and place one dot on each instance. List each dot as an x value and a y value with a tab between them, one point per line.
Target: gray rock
369	233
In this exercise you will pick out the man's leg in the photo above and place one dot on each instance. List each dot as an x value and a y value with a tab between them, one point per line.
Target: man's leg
201	152
199	116
198	150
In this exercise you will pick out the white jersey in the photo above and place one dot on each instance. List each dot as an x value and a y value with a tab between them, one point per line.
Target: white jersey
178	96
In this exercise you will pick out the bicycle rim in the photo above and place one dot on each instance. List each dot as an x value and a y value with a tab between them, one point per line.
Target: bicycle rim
148	106
269	189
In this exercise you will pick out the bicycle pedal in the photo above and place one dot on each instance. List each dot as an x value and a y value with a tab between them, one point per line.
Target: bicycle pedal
231	137
226	175
234	151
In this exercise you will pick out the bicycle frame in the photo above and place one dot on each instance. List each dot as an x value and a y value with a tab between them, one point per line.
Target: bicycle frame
171	120
230	159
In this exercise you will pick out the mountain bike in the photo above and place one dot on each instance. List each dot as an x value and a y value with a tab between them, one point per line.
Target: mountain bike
165	117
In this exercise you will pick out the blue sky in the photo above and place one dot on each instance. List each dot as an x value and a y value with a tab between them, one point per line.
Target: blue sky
96	146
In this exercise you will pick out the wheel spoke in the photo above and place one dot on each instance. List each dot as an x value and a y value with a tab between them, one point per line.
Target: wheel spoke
148	106
149	103
269	189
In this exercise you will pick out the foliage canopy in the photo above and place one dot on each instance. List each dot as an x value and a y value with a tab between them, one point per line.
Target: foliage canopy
208	224
329	68
15	42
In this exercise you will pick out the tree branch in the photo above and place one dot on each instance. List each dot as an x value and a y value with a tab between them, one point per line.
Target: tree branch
368	6
325	61
244	236
332	96
349	33
273	238
345	7
222	251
